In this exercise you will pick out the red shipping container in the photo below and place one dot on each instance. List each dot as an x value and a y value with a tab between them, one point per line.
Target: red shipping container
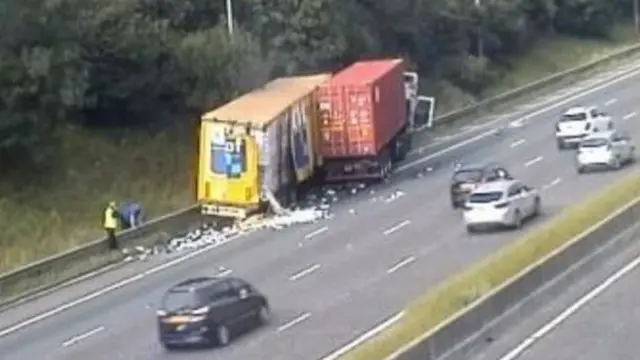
362	108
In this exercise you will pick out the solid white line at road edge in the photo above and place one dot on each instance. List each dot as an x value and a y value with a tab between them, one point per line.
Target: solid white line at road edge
364	337
570	311
127	281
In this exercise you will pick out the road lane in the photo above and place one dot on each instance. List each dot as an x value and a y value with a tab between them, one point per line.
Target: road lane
130	324
594	319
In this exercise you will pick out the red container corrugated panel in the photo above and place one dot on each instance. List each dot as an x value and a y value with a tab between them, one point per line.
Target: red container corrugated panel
362	108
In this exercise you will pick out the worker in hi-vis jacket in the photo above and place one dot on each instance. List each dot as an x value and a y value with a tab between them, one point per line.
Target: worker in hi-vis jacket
110	223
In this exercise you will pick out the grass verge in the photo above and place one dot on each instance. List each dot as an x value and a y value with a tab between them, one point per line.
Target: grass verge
454	294
63	209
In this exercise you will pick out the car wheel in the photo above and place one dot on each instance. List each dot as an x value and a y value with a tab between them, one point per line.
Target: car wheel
610	126
616	163
223	335
536	206
264	314
560	144
581	169
169	347
471	229
455	204
517	220
386	169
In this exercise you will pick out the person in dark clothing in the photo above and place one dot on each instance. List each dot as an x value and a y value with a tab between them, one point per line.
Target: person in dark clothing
110	223
130	215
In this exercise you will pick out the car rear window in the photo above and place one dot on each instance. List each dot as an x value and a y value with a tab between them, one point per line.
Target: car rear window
592	143
573	117
467	176
176	300
485	197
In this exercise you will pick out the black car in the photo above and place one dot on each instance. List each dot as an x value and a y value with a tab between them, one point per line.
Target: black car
467	177
209	311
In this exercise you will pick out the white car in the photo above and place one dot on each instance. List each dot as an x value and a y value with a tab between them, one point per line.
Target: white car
607	149
579	122
501	203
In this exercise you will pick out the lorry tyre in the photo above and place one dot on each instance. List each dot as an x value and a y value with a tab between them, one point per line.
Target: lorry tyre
394	150
386	168
399	147
402	147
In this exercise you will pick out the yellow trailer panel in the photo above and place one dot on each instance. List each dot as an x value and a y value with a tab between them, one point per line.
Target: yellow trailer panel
263	139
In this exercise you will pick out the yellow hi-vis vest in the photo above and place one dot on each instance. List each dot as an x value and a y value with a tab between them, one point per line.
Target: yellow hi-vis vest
110	221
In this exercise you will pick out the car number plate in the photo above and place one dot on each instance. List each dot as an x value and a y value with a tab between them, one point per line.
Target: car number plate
177	320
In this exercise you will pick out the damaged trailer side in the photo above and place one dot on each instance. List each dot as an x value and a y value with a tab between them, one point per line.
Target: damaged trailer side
259	149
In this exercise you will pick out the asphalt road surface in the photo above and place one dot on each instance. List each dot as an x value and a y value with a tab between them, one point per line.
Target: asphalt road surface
593	319
332	281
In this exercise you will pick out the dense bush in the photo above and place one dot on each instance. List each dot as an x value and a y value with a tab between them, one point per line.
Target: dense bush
144	62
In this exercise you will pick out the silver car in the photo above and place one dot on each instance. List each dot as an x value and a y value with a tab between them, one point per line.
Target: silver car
606	149
501	203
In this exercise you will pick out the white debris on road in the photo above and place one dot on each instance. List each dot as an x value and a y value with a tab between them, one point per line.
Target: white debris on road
394	196
293	217
195	239
315	207
208	236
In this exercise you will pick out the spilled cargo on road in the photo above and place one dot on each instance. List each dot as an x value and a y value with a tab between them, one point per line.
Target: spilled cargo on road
258	149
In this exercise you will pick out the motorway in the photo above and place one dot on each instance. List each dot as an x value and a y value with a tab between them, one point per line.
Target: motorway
331	281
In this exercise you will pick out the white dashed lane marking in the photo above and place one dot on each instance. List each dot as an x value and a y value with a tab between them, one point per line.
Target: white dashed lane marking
517	143
83	336
533	161
555	182
225	272
397	227
401	264
304	272
294	322
629	116
610	102
316	232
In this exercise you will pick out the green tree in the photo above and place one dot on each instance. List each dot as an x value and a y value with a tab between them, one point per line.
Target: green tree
585	17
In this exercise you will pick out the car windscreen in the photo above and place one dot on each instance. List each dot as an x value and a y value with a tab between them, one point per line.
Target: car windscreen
464	176
594	143
574	117
177	300
485	197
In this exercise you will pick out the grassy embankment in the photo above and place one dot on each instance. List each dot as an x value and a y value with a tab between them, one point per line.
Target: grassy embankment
156	169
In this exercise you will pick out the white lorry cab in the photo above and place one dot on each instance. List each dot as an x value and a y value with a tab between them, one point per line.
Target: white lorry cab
579	122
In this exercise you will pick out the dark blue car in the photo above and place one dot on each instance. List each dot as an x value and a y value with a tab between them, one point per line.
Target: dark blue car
209	311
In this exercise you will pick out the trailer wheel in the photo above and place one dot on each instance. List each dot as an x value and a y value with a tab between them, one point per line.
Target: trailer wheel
386	168
400	147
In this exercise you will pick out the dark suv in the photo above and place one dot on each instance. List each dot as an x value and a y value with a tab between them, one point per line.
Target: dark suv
208	310
467	177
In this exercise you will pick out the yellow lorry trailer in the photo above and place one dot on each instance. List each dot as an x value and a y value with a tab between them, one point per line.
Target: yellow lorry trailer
258	148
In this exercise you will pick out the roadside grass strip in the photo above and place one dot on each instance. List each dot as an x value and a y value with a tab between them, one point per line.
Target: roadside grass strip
437	307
